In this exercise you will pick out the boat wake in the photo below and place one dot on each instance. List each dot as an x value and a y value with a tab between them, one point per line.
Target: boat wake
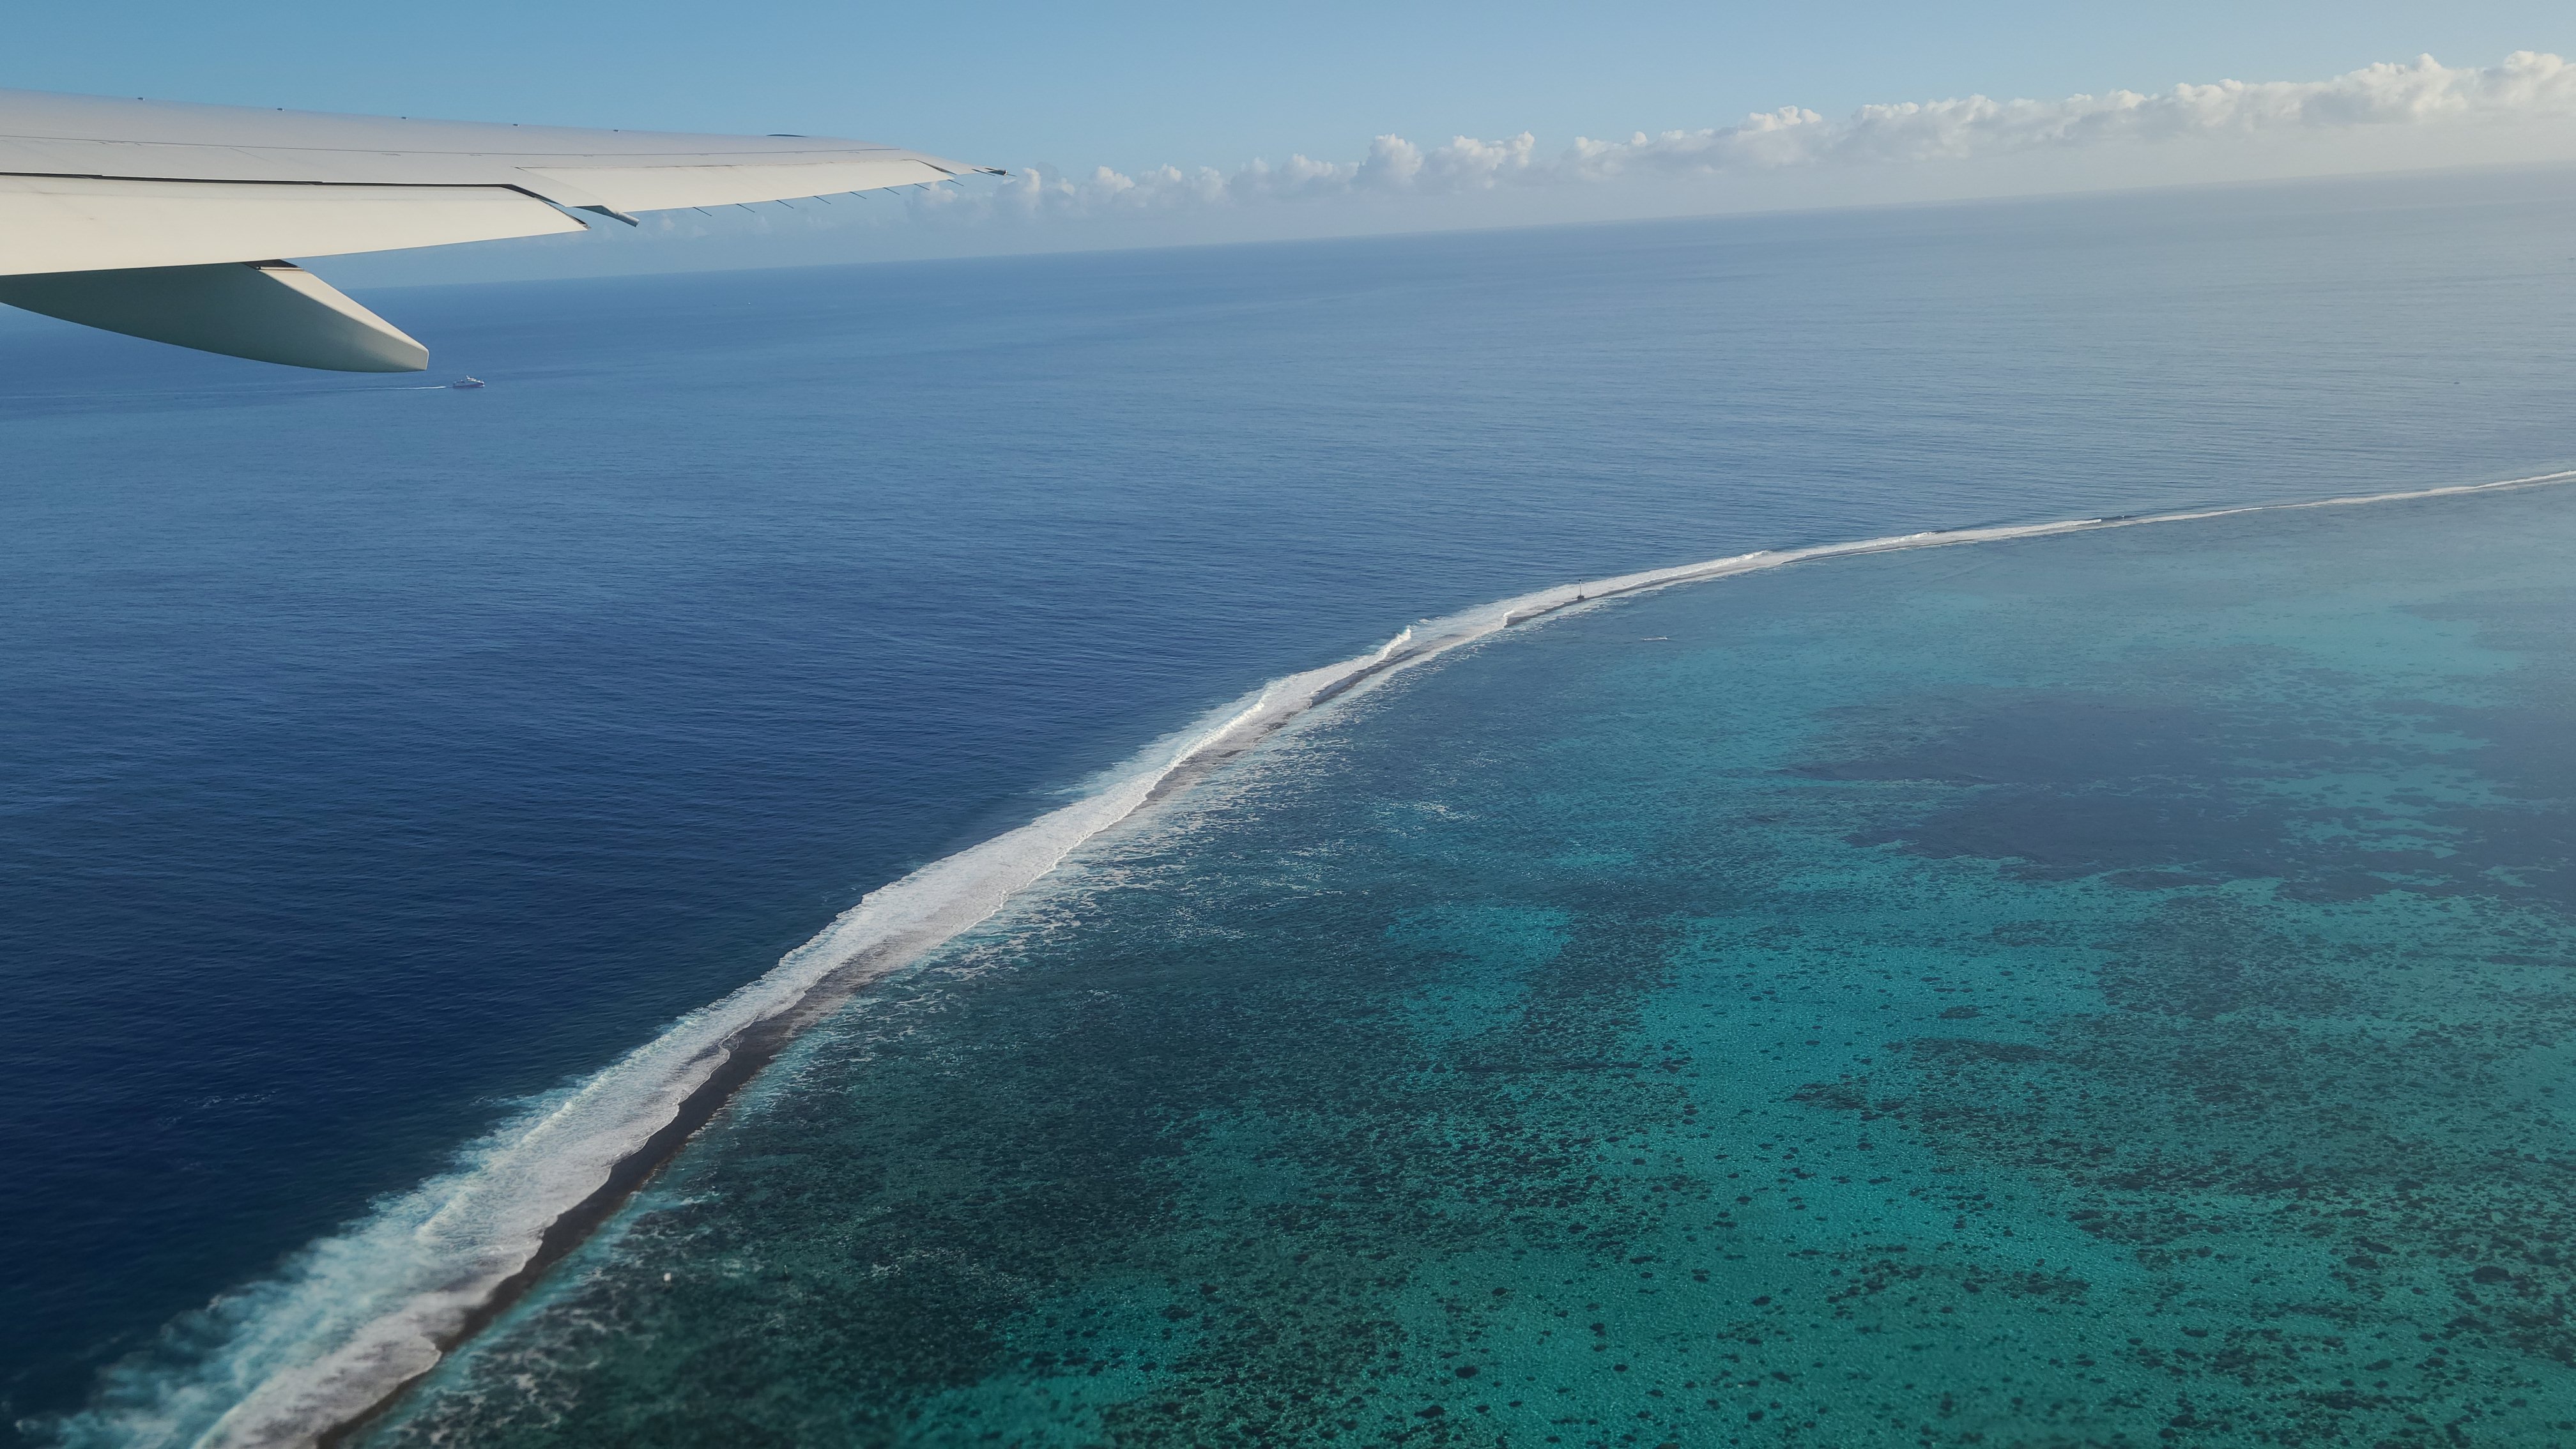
305	1357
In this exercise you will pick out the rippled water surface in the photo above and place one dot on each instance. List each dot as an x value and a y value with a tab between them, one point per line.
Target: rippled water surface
2090	990
380	760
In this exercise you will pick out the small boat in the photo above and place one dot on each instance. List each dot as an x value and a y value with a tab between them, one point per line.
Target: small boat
467	382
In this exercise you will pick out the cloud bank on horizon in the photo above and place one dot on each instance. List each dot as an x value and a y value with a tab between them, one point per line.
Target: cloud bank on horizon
2418	115
2527	87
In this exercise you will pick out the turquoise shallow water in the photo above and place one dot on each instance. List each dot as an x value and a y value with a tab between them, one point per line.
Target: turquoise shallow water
382	761
2109	989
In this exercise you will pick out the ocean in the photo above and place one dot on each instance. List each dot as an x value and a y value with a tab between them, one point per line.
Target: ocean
2172	913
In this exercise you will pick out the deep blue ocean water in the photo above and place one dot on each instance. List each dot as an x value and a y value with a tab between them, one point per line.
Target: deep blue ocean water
379	758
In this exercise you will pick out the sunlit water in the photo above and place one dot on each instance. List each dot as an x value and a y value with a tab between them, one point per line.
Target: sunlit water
382	760
2050	992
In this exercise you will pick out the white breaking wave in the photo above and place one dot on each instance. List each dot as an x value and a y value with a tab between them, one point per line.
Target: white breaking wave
363	1313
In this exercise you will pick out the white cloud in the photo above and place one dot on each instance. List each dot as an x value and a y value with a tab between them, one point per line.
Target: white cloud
2528	87
2422	115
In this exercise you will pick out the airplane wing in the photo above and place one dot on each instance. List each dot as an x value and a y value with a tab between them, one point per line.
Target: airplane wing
170	221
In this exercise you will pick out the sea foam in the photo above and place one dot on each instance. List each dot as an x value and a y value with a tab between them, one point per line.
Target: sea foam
357	1316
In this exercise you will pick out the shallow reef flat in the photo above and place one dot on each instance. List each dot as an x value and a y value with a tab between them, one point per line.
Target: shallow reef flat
2099	990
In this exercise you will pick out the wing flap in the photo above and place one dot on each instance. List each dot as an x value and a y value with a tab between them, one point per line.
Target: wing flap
90	223
638	170
661	188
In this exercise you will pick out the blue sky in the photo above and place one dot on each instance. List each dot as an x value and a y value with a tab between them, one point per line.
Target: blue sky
1140	85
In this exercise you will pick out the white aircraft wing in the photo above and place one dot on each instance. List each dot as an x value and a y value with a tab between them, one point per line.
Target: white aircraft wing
168	221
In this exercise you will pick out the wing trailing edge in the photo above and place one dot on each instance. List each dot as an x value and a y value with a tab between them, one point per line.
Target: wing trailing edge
93	223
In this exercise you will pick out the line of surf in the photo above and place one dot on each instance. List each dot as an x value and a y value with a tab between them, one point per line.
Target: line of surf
364	1314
